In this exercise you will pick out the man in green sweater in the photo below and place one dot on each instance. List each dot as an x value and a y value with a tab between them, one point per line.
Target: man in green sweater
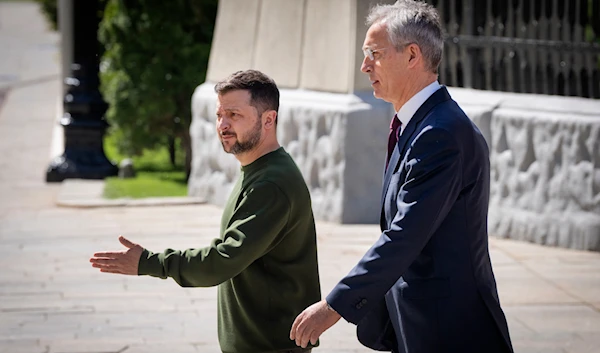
265	259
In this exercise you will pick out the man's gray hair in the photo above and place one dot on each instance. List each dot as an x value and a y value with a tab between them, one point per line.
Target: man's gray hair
409	21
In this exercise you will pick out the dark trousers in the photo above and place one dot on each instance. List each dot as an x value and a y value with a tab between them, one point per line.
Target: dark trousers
296	350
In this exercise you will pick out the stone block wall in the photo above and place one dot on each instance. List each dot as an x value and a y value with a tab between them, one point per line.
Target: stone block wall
545	166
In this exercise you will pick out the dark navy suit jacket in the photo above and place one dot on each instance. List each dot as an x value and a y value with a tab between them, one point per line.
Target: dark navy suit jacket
427	284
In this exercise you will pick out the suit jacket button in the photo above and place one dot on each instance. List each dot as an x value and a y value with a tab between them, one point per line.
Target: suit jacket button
359	305
363	302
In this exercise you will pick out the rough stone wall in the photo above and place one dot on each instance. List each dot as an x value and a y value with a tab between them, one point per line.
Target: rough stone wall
545	166
546	178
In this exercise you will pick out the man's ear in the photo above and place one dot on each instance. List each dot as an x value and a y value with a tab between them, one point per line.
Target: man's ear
414	54
269	119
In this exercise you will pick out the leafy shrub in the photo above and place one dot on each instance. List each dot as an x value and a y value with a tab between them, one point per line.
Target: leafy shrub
156	53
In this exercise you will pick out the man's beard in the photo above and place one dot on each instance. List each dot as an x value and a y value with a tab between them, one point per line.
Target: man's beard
250	141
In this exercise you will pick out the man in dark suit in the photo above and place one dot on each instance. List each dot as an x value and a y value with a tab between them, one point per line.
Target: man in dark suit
427	284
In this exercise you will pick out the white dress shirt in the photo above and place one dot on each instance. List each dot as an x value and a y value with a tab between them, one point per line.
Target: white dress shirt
409	108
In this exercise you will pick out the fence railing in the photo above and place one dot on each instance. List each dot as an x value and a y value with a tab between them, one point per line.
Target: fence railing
527	46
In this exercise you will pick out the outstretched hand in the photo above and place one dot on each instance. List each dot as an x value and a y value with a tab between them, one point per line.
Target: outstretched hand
124	262
312	322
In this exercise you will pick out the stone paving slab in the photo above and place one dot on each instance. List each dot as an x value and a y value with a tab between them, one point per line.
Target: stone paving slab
69	303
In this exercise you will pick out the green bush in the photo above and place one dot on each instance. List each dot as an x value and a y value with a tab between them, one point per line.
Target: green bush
156	53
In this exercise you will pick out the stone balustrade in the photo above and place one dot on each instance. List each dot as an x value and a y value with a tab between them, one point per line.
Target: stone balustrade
545	165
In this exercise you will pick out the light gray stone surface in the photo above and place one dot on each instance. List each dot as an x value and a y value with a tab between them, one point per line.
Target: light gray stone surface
545	160
329	46
304	44
279	37
234	38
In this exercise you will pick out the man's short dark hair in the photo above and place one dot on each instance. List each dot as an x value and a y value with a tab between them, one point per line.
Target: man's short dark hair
264	94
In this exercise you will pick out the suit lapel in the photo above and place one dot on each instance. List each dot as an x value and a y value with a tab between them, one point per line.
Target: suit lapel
441	95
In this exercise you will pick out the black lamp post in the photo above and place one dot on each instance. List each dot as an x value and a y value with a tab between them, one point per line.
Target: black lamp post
84	108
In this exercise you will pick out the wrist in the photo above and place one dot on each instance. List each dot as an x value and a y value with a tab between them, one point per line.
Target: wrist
329	308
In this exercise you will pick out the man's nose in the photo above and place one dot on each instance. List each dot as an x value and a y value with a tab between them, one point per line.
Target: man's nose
366	65
222	124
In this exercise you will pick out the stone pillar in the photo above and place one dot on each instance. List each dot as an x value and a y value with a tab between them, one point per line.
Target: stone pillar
328	120
84	108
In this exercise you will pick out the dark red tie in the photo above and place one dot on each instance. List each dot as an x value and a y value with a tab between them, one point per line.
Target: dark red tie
393	138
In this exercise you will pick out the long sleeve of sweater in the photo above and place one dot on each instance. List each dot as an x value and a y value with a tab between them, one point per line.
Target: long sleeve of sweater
252	230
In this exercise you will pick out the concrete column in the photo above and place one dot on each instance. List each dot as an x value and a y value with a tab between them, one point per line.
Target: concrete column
306	44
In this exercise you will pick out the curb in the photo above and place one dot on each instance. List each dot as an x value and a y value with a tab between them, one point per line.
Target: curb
80	193
127	202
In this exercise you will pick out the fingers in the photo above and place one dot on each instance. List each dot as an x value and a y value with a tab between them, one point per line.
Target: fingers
111	266
109	254
116	254
105	266
305	338
311	323
314	337
126	243
295	327
300	331
102	261
110	270
123	262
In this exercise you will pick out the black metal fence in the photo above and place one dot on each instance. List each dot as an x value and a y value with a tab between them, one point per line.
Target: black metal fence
526	46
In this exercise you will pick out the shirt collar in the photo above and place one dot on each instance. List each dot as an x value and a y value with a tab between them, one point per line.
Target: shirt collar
409	108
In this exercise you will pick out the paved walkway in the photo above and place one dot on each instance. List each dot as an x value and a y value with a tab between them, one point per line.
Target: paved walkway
51	300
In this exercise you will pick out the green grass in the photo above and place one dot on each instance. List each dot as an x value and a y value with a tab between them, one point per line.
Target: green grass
155	176
146	184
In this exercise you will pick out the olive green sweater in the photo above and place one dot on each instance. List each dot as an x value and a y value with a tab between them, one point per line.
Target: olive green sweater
264	262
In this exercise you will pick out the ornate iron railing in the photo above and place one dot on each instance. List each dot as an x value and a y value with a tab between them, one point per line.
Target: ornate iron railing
527	46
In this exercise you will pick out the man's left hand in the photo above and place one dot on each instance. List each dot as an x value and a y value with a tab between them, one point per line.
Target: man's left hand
312	322
124	262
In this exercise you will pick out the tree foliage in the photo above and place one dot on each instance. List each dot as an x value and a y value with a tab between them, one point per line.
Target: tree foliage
50	11
156	53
